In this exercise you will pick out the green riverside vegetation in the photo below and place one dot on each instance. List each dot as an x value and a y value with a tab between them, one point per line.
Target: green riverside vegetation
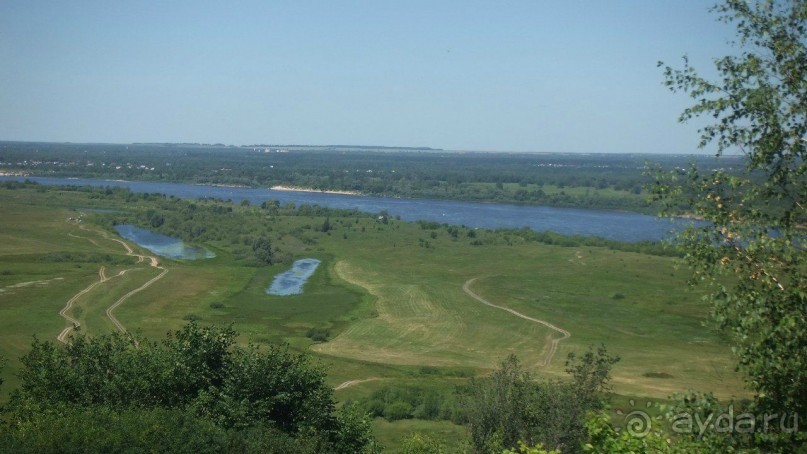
386	314
420	337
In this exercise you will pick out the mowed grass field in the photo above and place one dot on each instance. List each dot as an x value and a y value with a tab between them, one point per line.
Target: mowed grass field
34	289
638	305
390	295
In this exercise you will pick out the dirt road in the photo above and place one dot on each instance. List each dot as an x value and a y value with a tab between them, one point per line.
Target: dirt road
120	301
350	383
153	262
466	287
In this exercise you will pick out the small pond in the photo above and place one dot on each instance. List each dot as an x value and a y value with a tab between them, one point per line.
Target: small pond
162	245
291	282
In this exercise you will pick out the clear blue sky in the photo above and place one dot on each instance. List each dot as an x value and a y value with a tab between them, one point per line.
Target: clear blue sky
565	76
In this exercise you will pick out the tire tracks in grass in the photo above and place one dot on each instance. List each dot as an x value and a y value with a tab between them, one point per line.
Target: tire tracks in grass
120	301
62	337
466	287
553	347
350	383
153	262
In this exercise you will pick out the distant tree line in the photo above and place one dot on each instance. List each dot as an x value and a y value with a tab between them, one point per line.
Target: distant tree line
253	234
599	181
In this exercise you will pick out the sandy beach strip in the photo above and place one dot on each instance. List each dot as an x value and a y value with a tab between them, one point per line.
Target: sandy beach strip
323	191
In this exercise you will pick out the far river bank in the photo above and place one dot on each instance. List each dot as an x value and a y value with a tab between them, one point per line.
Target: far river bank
613	225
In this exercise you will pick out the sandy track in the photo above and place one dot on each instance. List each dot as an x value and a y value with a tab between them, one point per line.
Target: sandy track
95	243
120	301
466	287
62	337
140	258
350	383
153	261
553	348
129	250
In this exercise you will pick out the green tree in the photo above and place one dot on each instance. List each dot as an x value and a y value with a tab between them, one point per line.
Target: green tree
262	250
511	407
274	385
262	397
603	438
537	449
418	443
156	220
751	252
591	374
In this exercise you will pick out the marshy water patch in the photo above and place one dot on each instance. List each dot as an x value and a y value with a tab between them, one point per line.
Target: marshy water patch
162	245
291	282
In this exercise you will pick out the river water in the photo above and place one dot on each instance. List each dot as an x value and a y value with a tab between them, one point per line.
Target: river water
614	225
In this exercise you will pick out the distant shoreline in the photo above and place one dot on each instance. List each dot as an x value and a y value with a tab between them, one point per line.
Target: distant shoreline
690	216
220	185
323	191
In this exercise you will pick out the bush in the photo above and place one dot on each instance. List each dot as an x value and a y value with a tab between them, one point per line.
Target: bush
423	403
510	406
375	408
103	429
418	443
263	399
318	334
398	410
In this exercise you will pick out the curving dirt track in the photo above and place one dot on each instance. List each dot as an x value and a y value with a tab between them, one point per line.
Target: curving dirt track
62	337
350	383
153	261
120	301
553	348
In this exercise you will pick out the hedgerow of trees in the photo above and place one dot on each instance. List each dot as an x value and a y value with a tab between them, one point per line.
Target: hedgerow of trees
193	392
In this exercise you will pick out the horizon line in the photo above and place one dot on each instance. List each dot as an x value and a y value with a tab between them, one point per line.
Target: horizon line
369	147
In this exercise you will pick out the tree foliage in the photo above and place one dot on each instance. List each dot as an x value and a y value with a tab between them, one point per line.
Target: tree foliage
586	181
591	375
510	407
254	396
262	250
603	438
751	251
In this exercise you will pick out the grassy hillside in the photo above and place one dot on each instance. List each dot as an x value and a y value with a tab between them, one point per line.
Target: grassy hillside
389	295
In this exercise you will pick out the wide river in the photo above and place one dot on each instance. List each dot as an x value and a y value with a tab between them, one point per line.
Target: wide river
615	225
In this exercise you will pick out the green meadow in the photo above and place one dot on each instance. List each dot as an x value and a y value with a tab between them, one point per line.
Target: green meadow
388	295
